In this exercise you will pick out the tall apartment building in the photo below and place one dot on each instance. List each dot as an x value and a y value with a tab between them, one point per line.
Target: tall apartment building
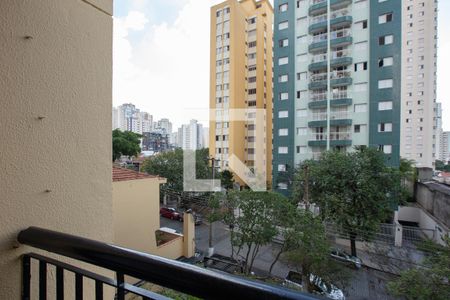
190	136
241	78
163	126
127	117
337	68
437	130
419	56
444	152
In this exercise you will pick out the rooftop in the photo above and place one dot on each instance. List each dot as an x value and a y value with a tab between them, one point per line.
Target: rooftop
122	174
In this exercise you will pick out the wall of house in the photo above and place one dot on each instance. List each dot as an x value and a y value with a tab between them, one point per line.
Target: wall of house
435	201
55	124
136	213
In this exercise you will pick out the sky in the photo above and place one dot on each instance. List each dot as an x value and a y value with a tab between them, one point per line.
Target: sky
161	58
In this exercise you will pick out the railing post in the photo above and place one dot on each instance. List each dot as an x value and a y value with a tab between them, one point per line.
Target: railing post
42	280
26	277
120	285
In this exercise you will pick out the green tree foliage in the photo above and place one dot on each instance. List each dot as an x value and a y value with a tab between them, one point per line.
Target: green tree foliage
308	249
170	166
441	166
227	180
356	190
253	219
408	176
430	282
125	143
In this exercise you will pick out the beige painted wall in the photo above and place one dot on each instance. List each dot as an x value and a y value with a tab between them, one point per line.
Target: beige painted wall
136	213
62	73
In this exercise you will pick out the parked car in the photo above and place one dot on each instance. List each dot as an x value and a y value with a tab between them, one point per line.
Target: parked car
320	287
170	213
198	219
346	258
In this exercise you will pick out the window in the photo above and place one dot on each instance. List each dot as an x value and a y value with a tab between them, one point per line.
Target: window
385	105
387	149
361	24
252	68
302	149
301	94
252	91
386	61
282	186
386	40
385	127
302	58
283	43
385	83
302	76
302	131
283	78
360	108
361	66
252	20
385	18
283	114
283	7
360	87
283	61
357	128
282	168
362	46
252	79
283	25
301	113
252	44
283	132
283	96
282	150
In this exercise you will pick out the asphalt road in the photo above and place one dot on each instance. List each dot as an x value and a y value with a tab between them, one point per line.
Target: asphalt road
366	284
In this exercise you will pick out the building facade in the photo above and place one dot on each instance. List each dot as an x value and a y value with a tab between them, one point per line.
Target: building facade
155	141
190	136
437	130
241	85
444	153
337	90
419	58
127	117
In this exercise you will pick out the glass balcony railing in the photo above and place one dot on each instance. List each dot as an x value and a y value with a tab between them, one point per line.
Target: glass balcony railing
334	136
341	115
318	77
334	14
334	55
340	33
340	74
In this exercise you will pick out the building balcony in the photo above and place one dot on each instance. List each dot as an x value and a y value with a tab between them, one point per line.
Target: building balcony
336	139
337	78
317	7
338	59
337	119
334	102
123	262
339	38
339	18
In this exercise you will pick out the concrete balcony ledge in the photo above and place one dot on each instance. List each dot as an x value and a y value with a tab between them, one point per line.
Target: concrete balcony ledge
323	123
323	143
336	62
321	7
341	81
333	103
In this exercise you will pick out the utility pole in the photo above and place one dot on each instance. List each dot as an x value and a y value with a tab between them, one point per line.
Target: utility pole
210	244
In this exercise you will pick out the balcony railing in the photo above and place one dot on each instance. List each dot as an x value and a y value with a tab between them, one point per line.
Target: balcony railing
340	74
334	55
340	33
334	116
334	136
334	14
123	262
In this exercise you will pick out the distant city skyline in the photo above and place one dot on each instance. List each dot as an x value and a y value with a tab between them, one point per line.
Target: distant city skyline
150	71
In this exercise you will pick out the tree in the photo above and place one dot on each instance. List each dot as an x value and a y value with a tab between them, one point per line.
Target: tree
125	143
252	218
227	180
170	166
408	176
355	190
308	249
430	282
441	166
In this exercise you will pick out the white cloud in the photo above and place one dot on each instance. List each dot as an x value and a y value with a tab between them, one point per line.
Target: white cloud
166	71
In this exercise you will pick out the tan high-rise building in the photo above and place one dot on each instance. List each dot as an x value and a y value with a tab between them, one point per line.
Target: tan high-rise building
419	56
241	78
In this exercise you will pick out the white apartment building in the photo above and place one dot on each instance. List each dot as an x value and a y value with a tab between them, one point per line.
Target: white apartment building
419	53
127	117
190	136
444	153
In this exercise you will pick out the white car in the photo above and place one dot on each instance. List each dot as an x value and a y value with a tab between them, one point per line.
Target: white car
320	287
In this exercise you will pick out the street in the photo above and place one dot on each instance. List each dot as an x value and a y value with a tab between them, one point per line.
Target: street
365	283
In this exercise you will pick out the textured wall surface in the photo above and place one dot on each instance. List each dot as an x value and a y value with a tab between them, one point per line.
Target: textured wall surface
435	198
55	123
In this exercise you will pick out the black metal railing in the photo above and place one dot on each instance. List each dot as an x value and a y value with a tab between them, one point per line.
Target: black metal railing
168	273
